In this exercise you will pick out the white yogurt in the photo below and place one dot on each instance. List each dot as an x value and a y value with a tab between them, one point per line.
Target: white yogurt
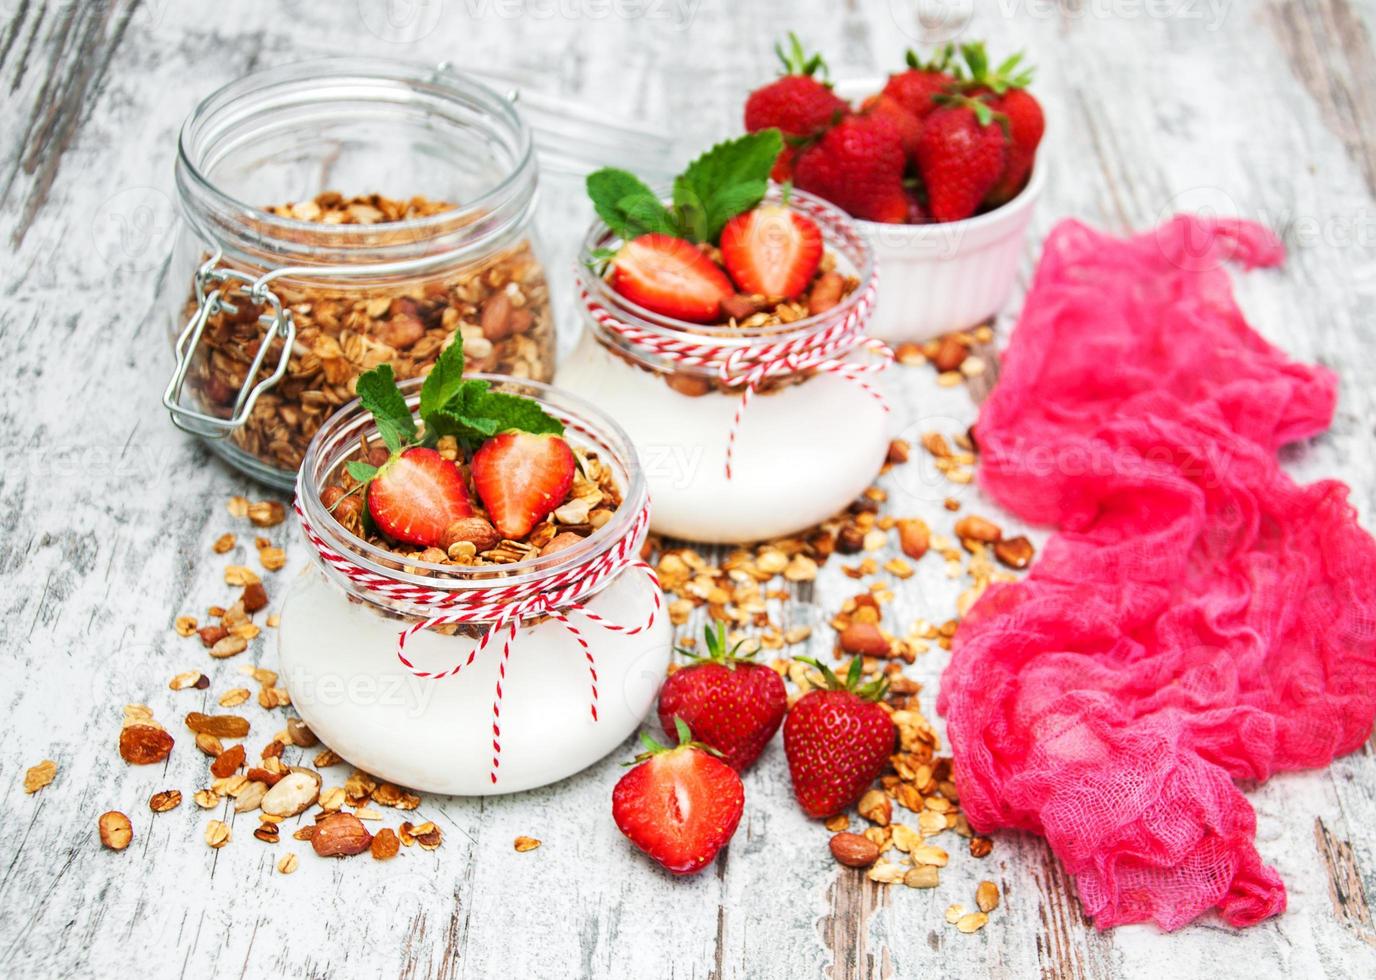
339	660
802	452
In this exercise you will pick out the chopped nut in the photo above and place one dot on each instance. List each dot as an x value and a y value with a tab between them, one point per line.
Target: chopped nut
875	807
300	734
923	876
267	513
972	922
217	834
115	830
929	854
267	832
168	799
234	698
385	844
854	850
987	896
209	745
340	835
886	873
230	646
1014	552
39	776
914	537
427	835
974	528
523	844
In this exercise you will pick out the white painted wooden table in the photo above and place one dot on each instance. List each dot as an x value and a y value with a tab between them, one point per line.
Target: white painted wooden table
1265	110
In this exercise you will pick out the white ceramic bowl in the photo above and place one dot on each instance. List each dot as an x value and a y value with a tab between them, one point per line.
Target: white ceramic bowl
937	278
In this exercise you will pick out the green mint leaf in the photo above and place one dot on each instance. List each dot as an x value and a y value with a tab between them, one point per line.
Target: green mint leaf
444	379
629	208
728	179
361	471
380	395
476	412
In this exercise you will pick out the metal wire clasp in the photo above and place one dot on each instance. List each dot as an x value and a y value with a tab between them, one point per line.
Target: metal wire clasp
214	286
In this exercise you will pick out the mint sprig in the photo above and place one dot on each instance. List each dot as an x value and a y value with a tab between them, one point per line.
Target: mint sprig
728	179
450	405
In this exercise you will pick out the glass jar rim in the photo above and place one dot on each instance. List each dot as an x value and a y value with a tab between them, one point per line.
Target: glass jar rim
275	86
836	224
337	437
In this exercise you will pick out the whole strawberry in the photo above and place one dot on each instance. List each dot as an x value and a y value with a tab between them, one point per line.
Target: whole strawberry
727	702
1005	88
961	155
681	805
838	741
858	166
916	88
908	125
797	104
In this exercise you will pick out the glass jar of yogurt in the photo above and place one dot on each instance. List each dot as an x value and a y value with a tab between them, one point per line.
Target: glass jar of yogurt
338	214
443	711
744	432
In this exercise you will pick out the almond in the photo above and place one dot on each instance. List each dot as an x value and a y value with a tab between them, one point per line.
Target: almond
825	293
115	830
688	384
914	537
340	835
950	354
292	794
854	850
477	530
300	734
1014	552
974	528
562	540
864	639
496	319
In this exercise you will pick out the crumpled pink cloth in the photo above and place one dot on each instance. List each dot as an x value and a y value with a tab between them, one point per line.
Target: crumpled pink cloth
1196	619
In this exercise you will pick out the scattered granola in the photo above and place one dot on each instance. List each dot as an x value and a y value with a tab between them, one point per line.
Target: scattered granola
36	777
168	799
385	844
115	830
287	864
217	834
523	844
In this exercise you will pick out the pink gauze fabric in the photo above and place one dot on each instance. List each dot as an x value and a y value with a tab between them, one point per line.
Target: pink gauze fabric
1196	619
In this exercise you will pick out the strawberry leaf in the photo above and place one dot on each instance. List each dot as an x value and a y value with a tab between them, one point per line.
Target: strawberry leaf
378	392
685	734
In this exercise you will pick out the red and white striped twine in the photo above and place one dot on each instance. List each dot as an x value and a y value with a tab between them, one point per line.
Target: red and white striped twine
504	607
747	367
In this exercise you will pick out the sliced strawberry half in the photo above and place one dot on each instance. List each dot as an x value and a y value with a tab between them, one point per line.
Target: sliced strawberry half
416	496
520	477
680	806
771	251
670	276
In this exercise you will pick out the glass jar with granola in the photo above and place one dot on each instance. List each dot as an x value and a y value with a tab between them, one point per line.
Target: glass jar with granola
733	350
478	618
342	214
